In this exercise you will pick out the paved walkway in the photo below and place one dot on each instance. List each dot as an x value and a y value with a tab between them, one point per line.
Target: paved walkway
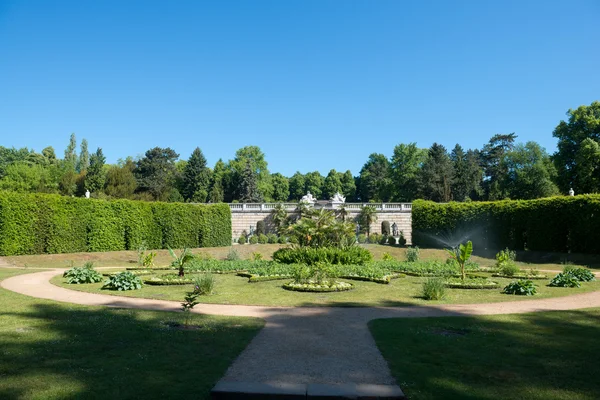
301	345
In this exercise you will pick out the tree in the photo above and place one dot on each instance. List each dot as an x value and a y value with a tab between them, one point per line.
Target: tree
405	165
249	192
492	155
313	183
332	184
583	123
529	172
254	156
468	174
374	182
435	178
156	173
367	216
281	187
587	161
84	157
120	180
21	176
348	185
297	186
71	152
95	177
196	178
49	154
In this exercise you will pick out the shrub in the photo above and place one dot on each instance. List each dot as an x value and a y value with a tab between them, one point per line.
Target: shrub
204	285
85	274
282	240
582	274
521	288
232	255
391	240
362	238
401	239
242	240
253	239
272	238
260	228
565	280
385	228
509	269
123	281
434	289
256	256
383	239
412	254
330	255
387	257
263	239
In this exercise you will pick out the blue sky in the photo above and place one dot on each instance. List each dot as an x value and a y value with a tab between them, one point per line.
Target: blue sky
316	84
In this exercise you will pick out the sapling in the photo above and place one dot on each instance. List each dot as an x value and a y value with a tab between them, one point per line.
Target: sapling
461	254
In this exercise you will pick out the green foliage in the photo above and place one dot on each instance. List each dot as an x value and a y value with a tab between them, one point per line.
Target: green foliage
434	289
435	177
521	288
471	283
330	255
383	239
156	172
391	240
462	254
41	223
282	240
387	257
401	239
319	273
167	280
320	228
256	256
196	178
263	239
232	255
123	281
385	228
412	254
565	279
374	238
260	228
556	224
367	216
582	274
362	238
253	239
180	261
204	285
272	238
85	274
190	301
242	239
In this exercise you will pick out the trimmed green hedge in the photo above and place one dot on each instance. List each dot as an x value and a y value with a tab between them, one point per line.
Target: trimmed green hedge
42	223
559	224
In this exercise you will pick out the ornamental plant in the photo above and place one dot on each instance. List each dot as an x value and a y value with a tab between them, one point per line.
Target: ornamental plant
123	281
190	301
181	260
582	274
412	254
565	279
461	254
434	289
204	285
85	274
521	288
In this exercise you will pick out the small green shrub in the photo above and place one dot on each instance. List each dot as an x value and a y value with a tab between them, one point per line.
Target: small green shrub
168	280
387	257
256	256
509	269
362	238
401	239
282	240
521	288
263	239
242	240
582	274
204	285
391	240
412	254
385	228
330	255
254	239
260	228
85	274
272	238
232	255
123	281
565	280
383	239
434	289
374	238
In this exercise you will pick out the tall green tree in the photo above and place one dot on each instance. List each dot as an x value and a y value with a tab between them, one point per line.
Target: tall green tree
435	178
156	173
587	161
254	156
374	182
468	174
297	186
120	180
313	183
530	172
218	184
196	178
71	152
249	191
348	185
332	184
583	123
495	171
84	157
21	176
281	187
95	176
49	154
405	165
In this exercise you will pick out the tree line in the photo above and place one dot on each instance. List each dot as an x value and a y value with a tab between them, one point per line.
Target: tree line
501	169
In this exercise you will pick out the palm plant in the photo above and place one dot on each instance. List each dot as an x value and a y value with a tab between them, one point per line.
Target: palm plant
181	261
368	215
280	217
461	254
342	212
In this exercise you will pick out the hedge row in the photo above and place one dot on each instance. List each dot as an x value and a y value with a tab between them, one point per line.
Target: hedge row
557	224
42	223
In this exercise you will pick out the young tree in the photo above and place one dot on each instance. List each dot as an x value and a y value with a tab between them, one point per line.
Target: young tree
95	178
84	157
375	182
435	178
249	192
332	184
196	178
281	187
405	165
156	173
297	186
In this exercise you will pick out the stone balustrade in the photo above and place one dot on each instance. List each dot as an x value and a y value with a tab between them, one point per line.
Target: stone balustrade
350	207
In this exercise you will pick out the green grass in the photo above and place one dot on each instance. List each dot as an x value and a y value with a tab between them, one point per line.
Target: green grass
51	350
232	289
549	355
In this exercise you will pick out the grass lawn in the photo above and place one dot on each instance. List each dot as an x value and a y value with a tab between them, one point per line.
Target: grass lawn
232	289
549	355
51	350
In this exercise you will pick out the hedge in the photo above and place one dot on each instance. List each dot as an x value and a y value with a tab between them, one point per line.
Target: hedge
43	223
556	224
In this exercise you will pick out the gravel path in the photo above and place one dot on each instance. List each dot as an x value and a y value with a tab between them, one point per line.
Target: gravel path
302	345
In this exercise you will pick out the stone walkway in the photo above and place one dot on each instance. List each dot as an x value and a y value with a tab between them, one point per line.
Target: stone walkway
329	345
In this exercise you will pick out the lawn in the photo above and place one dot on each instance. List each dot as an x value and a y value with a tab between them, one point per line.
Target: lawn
51	350
549	355
232	289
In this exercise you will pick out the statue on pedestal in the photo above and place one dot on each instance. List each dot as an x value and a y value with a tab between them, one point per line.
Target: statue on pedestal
338	198
394	229
308	198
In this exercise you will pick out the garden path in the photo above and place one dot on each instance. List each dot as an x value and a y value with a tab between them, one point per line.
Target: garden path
302	345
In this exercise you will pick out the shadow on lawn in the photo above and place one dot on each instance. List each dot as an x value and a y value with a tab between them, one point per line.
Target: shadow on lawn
62	351
550	355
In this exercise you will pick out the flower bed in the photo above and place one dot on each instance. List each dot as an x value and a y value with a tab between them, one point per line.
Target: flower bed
336	286
169	279
386	279
471	283
521	276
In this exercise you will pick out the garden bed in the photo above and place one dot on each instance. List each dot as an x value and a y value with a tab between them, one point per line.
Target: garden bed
521	276
167	280
337	286
383	280
472	283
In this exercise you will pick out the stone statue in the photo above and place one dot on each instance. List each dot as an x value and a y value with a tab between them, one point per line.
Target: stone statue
394	229
308	198
338	198
571	192
87	194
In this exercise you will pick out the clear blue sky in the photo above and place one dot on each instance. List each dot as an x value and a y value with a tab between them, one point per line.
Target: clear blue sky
316	84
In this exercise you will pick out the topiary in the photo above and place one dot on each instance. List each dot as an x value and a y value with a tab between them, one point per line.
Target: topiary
385	228
272	238
401	239
253	239
242	240
263	239
391	240
260	228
